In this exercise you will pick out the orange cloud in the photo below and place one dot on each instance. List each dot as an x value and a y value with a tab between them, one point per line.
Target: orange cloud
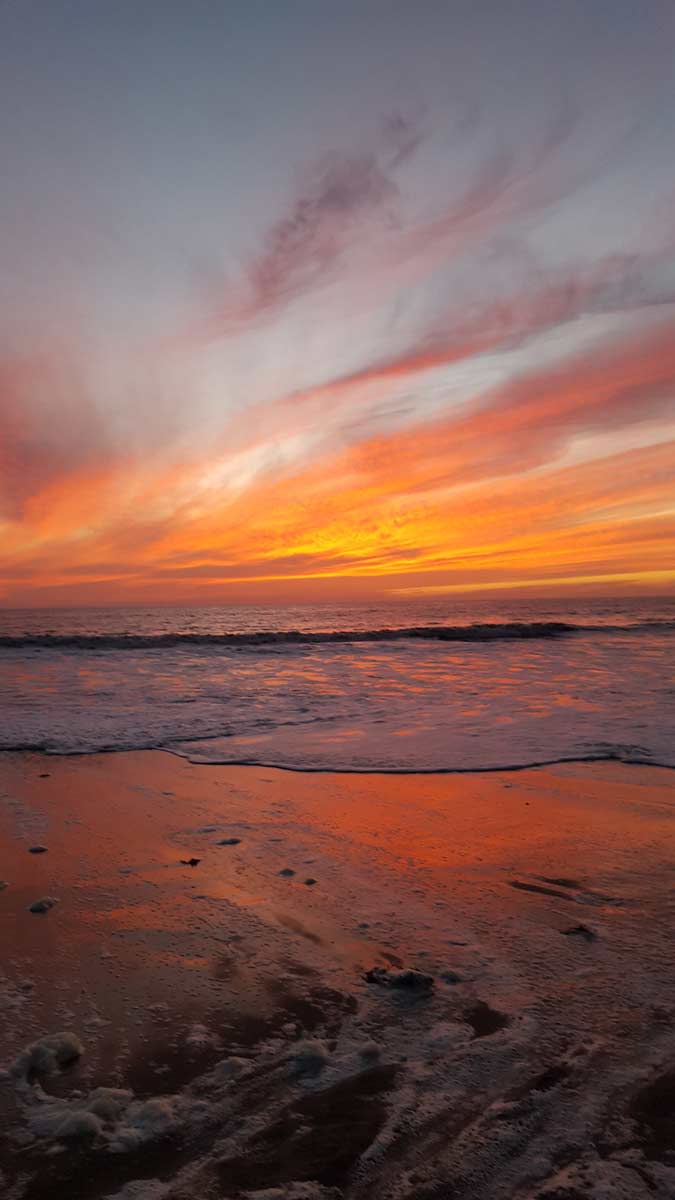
517	486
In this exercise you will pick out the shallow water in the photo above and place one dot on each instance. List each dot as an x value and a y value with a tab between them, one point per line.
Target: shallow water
227	685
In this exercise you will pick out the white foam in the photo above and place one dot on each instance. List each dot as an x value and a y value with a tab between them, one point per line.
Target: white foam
46	1056
308	1057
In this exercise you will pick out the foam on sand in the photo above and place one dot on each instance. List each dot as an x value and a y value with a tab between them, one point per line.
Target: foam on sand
46	1056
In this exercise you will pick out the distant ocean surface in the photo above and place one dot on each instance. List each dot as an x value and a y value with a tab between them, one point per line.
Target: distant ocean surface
419	686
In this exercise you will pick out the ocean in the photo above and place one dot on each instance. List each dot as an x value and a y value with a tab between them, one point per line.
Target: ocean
436	685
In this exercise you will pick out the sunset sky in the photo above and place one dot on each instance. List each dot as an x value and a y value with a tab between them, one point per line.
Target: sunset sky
306	300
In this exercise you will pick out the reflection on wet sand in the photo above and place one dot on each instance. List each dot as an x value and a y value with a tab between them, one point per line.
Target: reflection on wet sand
260	1032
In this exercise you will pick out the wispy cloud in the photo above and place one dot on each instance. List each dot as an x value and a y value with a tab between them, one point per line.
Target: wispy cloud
505	412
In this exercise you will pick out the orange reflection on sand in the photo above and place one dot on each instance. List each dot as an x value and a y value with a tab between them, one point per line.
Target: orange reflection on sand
460	869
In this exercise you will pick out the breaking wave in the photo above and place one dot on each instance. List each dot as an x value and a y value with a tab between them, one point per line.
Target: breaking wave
490	632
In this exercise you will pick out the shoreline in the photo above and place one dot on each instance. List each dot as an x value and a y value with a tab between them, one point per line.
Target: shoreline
258	989
534	765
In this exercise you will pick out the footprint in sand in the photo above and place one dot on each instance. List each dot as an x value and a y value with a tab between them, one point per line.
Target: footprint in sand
540	890
485	1020
574	891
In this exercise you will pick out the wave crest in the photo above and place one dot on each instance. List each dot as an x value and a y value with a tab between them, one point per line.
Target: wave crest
271	637
490	632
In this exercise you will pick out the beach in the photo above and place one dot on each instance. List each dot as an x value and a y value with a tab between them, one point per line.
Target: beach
400	985
337	600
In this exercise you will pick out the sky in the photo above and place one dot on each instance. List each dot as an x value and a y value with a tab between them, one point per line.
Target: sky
303	300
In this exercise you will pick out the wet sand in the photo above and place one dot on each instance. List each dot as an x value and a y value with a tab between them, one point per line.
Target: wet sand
239	1011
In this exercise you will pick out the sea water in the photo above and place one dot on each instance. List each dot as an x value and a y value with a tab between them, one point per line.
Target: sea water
417	686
